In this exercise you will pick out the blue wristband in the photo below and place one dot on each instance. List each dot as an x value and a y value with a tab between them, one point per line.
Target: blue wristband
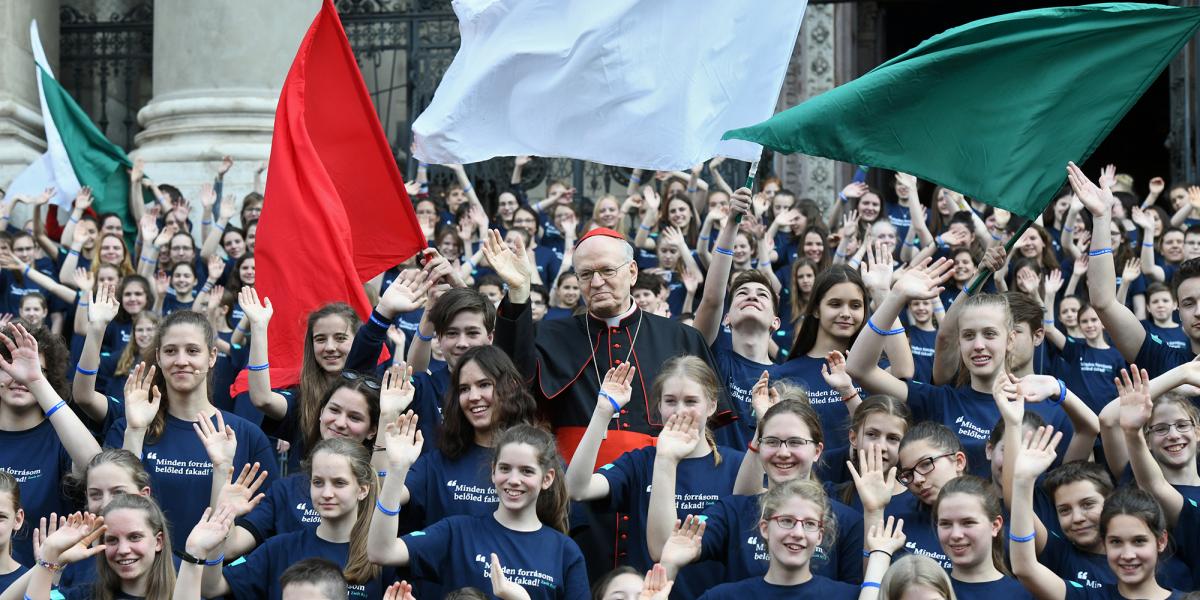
1062	393
1019	538
940	242
704	238
468	188
54	409
1048	321
262	367
84	371
378	321
73	252
216	561
1147	244
424	338
206	223
643	227
635	178
219	227
74	219
725	251
150	260
616	407
1100	252
870	584
25	272
883	332
843	197
384	510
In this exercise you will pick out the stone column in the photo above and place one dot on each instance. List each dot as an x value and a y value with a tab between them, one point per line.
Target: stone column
218	68
21	136
818	64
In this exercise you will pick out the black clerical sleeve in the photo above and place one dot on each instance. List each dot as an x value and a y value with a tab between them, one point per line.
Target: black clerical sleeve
515	336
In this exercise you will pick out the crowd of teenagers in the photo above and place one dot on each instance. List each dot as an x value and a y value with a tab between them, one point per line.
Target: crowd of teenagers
831	412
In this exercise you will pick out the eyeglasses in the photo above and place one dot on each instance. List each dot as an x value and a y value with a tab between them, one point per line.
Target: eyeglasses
775	443
605	273
789	522
1164	429
923	467
367	380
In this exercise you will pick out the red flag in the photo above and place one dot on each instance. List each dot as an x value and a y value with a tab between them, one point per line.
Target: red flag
336	212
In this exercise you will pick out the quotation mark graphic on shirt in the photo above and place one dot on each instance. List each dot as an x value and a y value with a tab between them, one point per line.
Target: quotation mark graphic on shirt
300	506
152	456
452	483
479	558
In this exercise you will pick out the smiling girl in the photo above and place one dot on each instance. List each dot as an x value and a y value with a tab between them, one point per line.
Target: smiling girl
525	533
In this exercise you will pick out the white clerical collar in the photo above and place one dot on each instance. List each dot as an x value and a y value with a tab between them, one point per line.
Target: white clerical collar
616	321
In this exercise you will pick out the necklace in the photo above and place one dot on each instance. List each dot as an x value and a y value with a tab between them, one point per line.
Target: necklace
595	366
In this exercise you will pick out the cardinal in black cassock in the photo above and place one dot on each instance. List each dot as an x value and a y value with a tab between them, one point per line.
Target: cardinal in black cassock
566	359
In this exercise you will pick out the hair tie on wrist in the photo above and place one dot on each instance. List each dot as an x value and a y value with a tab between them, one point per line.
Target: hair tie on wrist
884	332
1018	538
262	367
384	510
725	251
216	561
1100	252
616	407
55	408
425	338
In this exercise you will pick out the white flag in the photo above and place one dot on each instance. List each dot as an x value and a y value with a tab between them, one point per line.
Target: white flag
650	84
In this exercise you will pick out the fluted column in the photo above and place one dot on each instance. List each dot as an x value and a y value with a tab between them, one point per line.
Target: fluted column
21	135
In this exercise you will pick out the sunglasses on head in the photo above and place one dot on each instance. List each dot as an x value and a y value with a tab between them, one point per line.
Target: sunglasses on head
367	380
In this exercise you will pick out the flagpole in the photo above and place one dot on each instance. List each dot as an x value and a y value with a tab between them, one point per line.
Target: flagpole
749	185
985	273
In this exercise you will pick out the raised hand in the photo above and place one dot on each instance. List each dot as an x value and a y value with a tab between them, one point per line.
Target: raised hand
855	190
692	280
683	546
83	200
874	484
161	283
226	164
1036	453
850	224
102	305
787	218
216	266
401	590
139	168
650	198
1157	185
656	586
511	264
878	268
1142	218
219	441
673	237
502	588
149	227
1133	391
406	293
403	441
1132	270
908	185
741	202
834	372
1054	282
1006	392
240	495
1108	176
679	437
955	238
763	396
1081	264
210	532
228	205
258	313
72	541
24	364
924	280
616	388
887	537
396	336
84	279
397	391
1097	199
1028	282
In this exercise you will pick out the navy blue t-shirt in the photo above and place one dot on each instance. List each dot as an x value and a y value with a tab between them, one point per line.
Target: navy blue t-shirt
1174	337
1107	593
923	344
1157	357
698	484
759	589
38	461
285	509
257	576
180	472
1082	569
731	535
972	415
7	579
1004	588
919	529
1089	372
826	401
1186	535
439	487
456	552
739	374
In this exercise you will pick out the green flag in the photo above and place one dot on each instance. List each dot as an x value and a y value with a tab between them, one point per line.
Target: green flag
96	161
993	109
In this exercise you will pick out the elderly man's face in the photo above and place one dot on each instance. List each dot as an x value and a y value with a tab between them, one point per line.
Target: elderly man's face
605	297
